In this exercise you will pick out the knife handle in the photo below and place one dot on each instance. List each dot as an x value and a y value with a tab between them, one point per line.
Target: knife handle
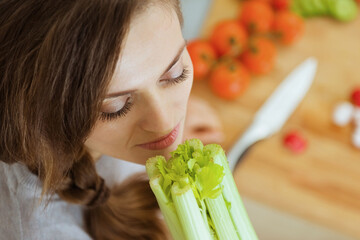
253	134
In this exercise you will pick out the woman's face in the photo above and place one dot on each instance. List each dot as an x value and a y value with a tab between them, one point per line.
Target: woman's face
144	112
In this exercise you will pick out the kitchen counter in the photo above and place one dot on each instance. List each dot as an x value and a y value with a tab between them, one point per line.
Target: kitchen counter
322	185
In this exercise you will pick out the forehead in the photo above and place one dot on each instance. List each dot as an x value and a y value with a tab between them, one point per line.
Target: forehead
153	40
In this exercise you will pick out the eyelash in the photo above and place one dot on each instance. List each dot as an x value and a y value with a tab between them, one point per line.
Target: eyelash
127	107
184	75
121	113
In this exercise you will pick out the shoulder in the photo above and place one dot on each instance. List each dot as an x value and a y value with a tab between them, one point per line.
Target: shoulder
23	216
9	218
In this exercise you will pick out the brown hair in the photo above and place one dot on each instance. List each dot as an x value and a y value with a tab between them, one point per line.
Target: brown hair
56	62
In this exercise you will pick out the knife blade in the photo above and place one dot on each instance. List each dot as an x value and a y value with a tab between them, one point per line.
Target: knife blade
276	110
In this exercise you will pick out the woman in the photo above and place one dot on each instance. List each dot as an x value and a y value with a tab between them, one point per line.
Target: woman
82	78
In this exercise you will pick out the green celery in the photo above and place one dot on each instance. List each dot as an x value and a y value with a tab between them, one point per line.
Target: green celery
167	209
231	194
166	205
189	213
221	218
197	194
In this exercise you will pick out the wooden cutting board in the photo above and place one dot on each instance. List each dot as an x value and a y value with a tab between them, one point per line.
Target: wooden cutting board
321	185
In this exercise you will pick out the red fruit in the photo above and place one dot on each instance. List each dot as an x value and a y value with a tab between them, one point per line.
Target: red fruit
257	16
203	57
295	142
355	96
259	57
229	37
229	79
281	4
288	27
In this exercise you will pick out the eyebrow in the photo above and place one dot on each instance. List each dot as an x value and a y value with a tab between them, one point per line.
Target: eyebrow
172	63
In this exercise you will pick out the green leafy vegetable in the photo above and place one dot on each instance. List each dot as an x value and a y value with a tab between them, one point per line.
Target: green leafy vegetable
197	194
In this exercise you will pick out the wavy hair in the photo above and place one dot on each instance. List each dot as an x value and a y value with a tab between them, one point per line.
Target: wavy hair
56	62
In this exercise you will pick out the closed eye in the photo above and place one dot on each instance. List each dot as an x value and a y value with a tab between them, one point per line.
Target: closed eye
121	113
183	76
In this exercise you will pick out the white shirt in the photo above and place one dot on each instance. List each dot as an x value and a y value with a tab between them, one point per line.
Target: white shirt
22	217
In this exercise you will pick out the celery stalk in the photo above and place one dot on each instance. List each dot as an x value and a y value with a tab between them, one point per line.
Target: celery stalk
151	168
221	218
197	194
167	209
231	194
189	213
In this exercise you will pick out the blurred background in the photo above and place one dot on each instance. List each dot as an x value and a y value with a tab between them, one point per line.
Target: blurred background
304	181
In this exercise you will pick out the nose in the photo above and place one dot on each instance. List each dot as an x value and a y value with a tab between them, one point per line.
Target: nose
158	115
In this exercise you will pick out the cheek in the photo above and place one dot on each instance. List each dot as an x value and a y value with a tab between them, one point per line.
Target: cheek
180	97
108	136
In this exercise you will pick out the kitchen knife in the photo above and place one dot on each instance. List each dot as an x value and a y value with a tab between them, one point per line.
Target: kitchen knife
276	110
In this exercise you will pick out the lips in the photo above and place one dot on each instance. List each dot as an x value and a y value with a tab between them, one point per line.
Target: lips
162	142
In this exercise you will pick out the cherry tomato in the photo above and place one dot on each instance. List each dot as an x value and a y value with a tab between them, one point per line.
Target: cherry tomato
257	16
288	27
295	142
229	38
229	79
355	96
203	57
281	4
259	57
